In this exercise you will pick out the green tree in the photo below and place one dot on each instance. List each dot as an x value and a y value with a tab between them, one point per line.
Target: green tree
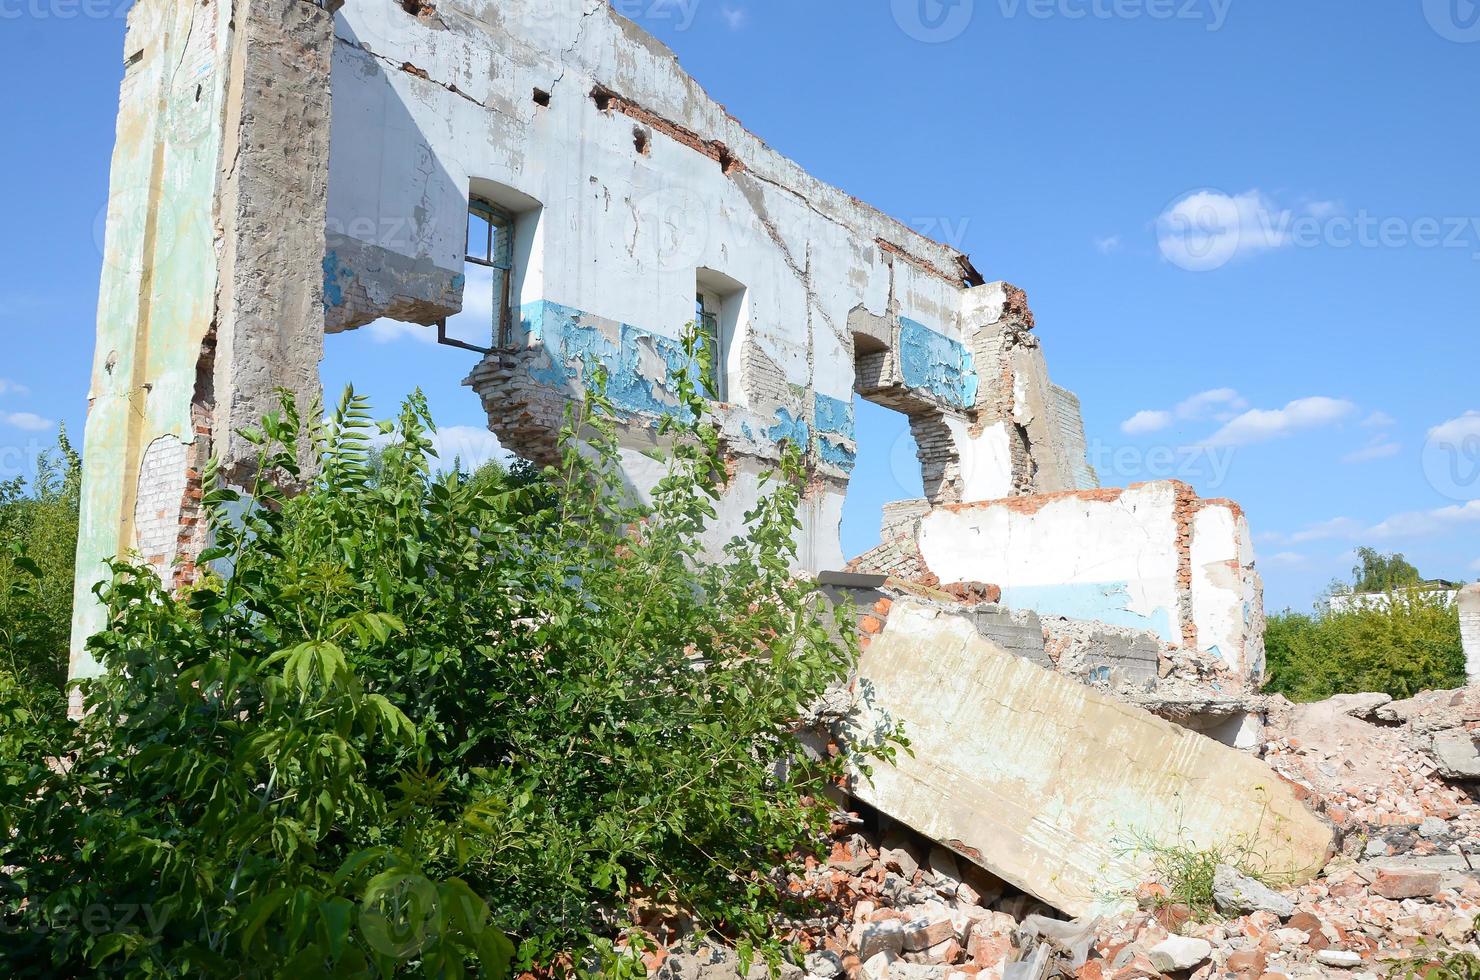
41	519
428	711
1403	648
1376	572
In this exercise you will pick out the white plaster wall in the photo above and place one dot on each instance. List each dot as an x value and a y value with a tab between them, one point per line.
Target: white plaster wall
821	511
1111	557
986	460
1226	604
1469	625
624	232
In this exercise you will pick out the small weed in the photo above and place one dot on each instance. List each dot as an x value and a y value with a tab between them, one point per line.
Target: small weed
1187	870
1453	966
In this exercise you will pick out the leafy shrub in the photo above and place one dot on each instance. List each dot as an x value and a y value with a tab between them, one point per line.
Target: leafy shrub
42	521
425	712
1412	645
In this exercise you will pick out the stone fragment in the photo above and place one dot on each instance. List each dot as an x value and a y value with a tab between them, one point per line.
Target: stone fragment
1248	963
1339	957
1401	883
1180	953
876	938
924	933
877	967
948	951
900	860
1456	755
1238	893
824	964
946	870
1433	828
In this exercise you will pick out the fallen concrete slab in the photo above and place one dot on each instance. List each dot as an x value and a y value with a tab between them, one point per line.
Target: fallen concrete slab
1048	783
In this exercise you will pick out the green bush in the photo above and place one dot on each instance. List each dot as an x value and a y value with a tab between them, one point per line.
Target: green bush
1411	646
426	712
42	521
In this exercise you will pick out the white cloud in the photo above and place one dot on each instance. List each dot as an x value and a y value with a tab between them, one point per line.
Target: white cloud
1260	425
1419	523
1286	558
1208	229
1219	403
1380	448
468	446
26	421
1143	422
1337	527
1379	420
8	387
1110	243
1324	209
1456	431
734	17
1409	524
391	331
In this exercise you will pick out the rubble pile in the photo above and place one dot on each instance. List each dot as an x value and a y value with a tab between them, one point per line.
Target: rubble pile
1401	892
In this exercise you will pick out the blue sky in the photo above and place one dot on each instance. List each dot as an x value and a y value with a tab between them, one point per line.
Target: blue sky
1250	231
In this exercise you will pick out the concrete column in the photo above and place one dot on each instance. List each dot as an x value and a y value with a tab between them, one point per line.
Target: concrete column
1469	628
223	126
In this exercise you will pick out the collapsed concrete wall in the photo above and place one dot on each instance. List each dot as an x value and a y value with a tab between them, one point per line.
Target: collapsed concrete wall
1153	558
1047	783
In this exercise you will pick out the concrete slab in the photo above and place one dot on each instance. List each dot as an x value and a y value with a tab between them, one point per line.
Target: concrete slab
1049	784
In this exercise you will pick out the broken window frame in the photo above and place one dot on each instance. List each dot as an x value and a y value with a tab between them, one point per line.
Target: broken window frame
706	321
498	254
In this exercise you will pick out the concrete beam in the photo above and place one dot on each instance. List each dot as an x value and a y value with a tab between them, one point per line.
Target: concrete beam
1048	783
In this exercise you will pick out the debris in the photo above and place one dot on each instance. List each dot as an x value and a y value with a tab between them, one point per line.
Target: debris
1180	953
1238	893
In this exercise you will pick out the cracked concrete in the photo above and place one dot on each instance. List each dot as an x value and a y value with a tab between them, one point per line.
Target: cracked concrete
1047	783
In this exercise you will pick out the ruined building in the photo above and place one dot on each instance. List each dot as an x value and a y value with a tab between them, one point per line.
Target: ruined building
286	168
282	170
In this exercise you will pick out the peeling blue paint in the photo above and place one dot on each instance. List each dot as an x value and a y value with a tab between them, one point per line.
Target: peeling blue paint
835	416
333	273
459	281
1104	602
935	363
577	343
835	432
836	454
792	430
